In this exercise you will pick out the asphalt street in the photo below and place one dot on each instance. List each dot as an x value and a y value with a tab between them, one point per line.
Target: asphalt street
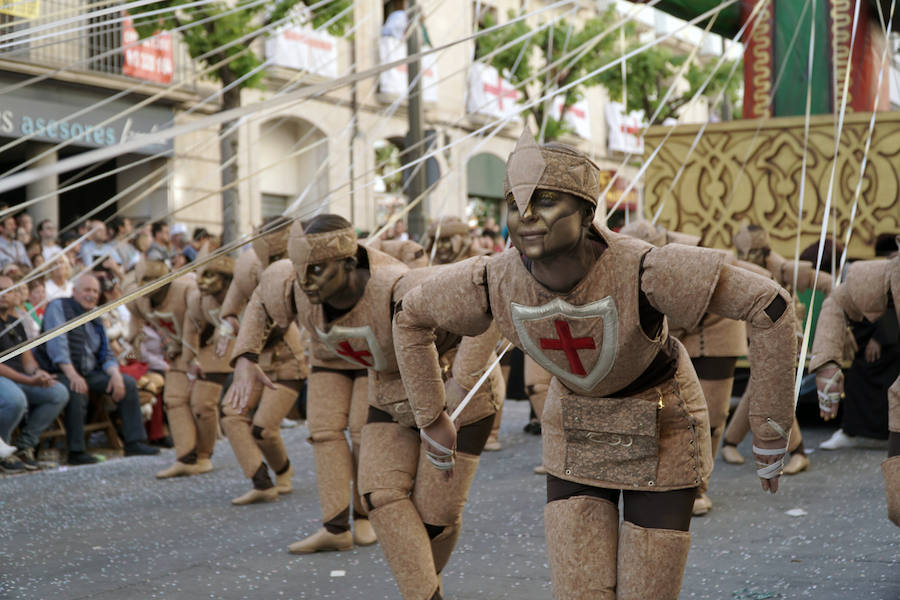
112	531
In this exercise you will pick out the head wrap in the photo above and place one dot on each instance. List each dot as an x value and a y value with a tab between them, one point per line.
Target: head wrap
550	167
223	265
271	244
449	227
310	249
747	239
150	270
644	230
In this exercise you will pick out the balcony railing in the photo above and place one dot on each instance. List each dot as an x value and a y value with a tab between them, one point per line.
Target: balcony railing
83	40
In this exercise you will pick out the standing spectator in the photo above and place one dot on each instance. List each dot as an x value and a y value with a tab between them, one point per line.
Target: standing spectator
118	235
47	234
11	249
159	248
58	285
82	361
25	229
201	236
24	386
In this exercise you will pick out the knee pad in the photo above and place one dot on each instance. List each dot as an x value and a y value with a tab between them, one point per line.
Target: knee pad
383	497
177	391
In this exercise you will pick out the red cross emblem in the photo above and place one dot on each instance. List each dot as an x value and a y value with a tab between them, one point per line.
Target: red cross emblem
581	358
501	92
347	351
167	324
569	345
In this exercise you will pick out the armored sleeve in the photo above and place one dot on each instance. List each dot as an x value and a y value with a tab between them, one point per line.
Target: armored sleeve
246	277
763	304
271	303
831	329
473	356
679	281
193	325
455	300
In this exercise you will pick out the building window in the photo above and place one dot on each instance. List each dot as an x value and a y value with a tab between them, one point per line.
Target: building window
274	205
17	47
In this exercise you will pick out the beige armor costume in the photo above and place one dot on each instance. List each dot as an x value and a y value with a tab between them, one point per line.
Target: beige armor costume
193	429
406	251
254	432
863	295
612	419
453	232
416	514
751	243
714	347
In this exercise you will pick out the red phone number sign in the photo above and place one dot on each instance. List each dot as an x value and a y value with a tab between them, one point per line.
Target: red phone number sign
150	60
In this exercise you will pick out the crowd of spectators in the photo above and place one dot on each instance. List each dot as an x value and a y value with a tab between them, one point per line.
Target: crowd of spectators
48	277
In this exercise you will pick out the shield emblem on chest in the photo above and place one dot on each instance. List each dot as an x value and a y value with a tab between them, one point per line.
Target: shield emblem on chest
166	322
356	345
577	344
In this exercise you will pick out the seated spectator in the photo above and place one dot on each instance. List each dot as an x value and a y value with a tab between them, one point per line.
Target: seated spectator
11	249
115	321
36	301
25	228
82	361
16	301
47	234
58	284
72	249
159	248
97	246
201	236
119	235
178	238
23	386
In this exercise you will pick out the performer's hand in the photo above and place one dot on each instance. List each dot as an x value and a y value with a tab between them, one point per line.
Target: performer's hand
247	377
222	344
769	485
443	432
830	389
873	350
194	371
453	395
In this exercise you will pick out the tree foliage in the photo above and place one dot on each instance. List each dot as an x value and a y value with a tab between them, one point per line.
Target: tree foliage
523	62
648	73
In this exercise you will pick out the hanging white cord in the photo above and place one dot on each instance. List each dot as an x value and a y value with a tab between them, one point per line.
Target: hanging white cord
828	198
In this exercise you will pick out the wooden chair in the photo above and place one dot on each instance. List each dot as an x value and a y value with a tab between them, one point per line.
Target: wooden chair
97	419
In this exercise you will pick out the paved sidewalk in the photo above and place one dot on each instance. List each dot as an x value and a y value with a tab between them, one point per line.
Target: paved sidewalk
112	531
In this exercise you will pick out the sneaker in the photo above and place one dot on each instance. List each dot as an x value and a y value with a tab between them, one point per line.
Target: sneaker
82	458
140	449
11	464
288	423
26	455
838	440
6	449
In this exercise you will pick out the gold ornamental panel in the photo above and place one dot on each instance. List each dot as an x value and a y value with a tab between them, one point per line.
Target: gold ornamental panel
736	175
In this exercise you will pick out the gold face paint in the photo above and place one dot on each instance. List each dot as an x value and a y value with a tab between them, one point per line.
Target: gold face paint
552	223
